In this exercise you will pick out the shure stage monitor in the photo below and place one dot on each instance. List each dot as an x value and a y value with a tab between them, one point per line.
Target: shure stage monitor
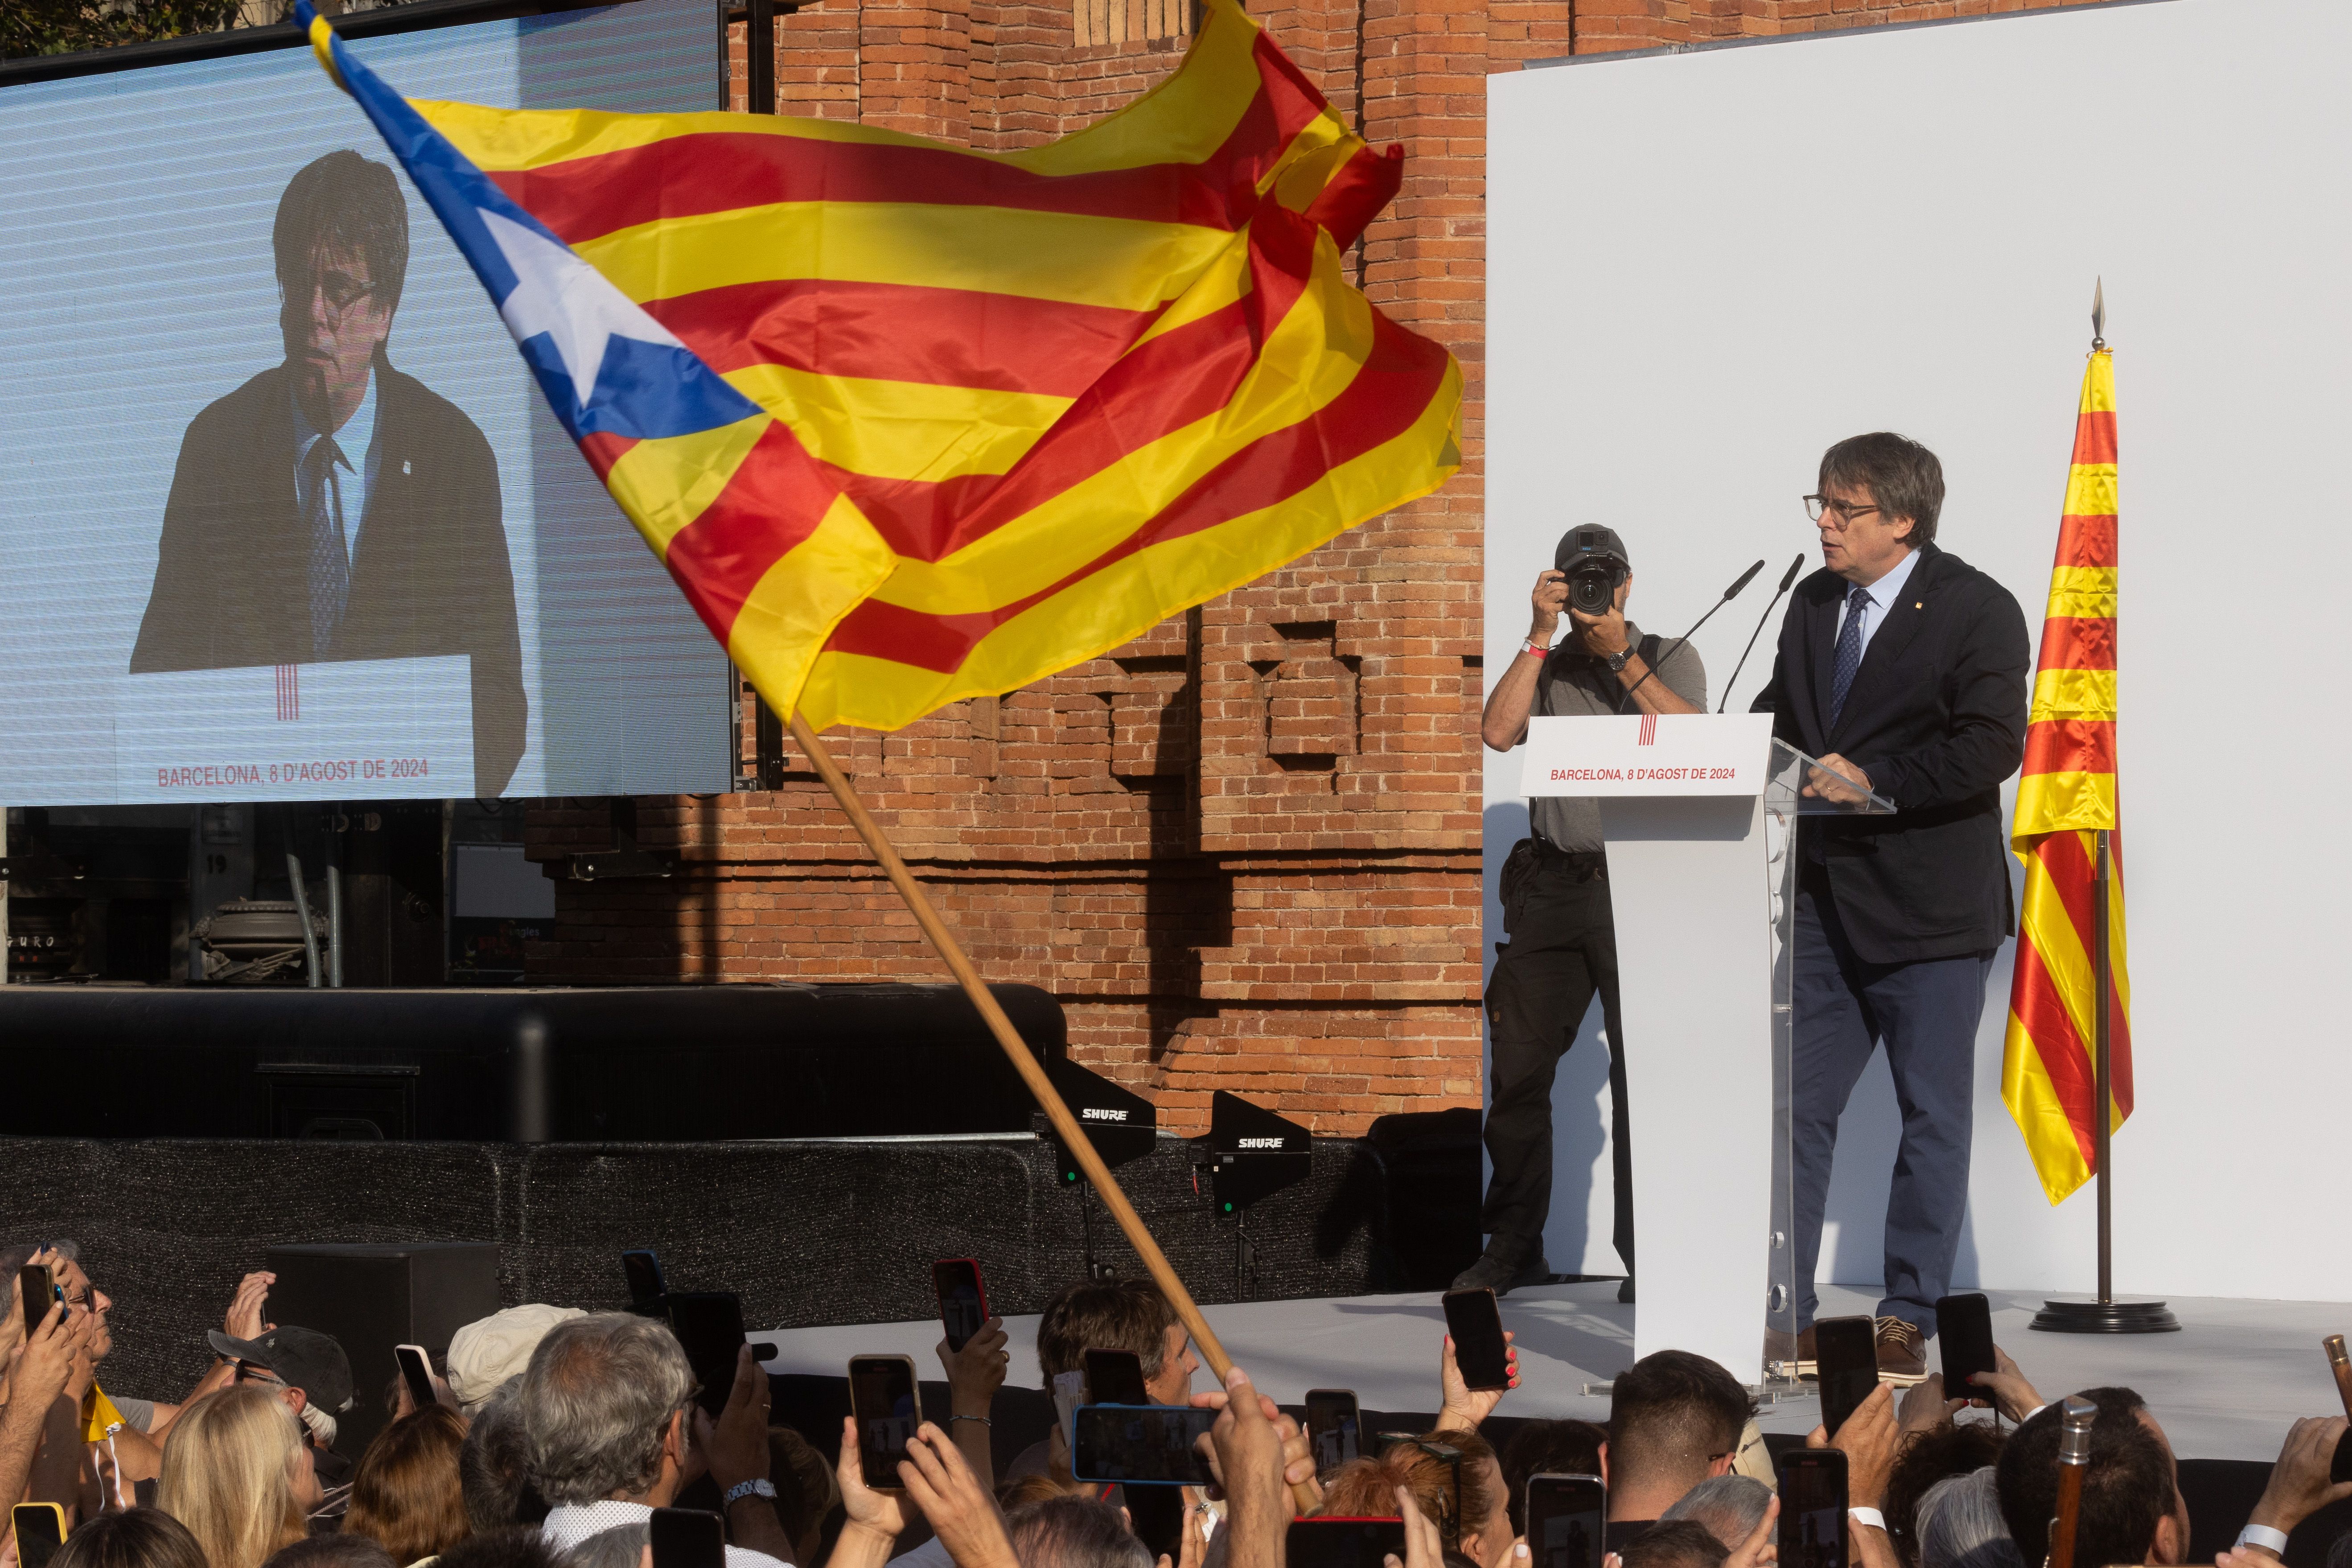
282	515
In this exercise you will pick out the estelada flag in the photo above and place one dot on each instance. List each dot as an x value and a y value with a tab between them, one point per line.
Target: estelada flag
909	423
2066	794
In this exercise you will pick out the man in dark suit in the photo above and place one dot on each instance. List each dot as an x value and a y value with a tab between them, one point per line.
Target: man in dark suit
1905	670
332	507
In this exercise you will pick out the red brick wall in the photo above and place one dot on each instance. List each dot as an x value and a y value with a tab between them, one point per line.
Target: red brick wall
1243	850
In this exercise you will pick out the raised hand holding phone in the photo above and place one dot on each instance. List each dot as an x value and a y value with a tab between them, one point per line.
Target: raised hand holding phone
1867	1439
962	1514
1477	1344
245	1318
2006	1388
1461	1406
874	1519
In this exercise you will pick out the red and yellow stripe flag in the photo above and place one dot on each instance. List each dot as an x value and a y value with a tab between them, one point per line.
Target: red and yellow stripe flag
2066	794
1012	409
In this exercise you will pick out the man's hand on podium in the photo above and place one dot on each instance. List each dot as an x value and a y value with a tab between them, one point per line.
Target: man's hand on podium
1829	787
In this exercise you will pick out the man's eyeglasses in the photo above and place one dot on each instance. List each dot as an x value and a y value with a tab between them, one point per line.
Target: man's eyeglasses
1839	512
1449	1527
246	1371
342	293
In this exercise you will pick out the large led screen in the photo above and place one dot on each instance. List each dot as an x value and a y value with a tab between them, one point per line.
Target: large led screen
282	514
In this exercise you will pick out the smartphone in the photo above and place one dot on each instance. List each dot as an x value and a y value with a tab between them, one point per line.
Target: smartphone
1142	1445
709	1325
40	1527
1339	1542
1848	1359
1334	1426
686	1538
416	1371
1069	1393
1115	1377
1477	1324
1964	1330
39	1289
963	1304
889	1407
642	1269
1812	1529
1568	1521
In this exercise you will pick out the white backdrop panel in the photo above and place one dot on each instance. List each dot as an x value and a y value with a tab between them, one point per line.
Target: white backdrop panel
1705	268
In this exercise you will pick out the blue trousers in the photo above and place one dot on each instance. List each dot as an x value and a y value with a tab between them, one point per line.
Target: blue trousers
1926	1013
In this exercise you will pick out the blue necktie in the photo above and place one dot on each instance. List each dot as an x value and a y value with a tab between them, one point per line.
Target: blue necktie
1849	650
331	562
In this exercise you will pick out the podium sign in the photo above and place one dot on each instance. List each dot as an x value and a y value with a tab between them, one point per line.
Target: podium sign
1648	754
387	729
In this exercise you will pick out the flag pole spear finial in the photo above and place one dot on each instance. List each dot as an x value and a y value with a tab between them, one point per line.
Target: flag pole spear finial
2098	315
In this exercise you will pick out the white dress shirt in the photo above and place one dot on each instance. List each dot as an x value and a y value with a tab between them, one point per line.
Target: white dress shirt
1884	594
568	1526
355	477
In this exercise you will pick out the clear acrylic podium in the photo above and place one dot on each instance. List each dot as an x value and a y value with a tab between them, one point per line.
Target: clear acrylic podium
1785	800
1699	814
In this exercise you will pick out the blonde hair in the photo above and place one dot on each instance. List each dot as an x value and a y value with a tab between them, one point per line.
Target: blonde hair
228	1475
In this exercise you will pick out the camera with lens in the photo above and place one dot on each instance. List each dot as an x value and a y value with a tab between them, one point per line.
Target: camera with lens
1595	559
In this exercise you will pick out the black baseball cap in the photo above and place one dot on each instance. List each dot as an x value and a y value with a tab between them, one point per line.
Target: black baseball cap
1591	540
301	1358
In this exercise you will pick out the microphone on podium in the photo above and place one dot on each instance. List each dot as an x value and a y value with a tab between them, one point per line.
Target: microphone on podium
1728	594
1785	578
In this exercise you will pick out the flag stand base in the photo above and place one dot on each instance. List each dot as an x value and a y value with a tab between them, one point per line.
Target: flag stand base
2105	1318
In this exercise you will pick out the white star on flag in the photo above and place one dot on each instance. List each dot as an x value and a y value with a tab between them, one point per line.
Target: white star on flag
576	306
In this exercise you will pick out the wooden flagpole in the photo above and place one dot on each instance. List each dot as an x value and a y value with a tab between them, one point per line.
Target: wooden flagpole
1025	1061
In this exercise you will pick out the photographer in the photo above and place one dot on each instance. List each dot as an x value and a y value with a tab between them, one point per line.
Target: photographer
1555	894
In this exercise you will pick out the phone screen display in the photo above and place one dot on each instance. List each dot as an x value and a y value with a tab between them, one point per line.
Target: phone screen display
1477	1324
1330	1543
1567	1520
1334	1427
1847	1352
417	1374
686	1538
964	1306
644	1271
1964	1331
40	1292
882	1397
38	1533
1115	1377
1813	1528
1142	1445
709	1326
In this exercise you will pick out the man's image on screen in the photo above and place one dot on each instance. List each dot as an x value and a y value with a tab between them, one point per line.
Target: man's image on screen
332	507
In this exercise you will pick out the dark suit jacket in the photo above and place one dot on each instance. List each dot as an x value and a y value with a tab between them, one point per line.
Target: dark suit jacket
430	576
1937	718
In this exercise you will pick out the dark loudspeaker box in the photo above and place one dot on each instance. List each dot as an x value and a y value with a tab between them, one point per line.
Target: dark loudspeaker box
373	1297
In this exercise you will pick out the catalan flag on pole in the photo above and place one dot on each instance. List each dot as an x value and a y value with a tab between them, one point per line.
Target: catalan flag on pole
908	423
2066	794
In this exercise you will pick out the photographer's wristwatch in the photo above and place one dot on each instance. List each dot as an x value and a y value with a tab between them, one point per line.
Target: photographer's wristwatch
1616	661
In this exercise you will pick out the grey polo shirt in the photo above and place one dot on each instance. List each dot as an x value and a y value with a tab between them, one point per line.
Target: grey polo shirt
1573	684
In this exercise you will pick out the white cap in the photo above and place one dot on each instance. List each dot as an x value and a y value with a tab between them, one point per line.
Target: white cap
483	1355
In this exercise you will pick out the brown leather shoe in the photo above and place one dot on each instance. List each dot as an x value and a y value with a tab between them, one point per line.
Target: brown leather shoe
1793	1355
1902	1352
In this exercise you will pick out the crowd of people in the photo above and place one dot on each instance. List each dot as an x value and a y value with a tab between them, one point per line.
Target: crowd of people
554	1434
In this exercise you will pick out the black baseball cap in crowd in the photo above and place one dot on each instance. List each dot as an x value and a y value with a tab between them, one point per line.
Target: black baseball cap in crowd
1591	540
301	1358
